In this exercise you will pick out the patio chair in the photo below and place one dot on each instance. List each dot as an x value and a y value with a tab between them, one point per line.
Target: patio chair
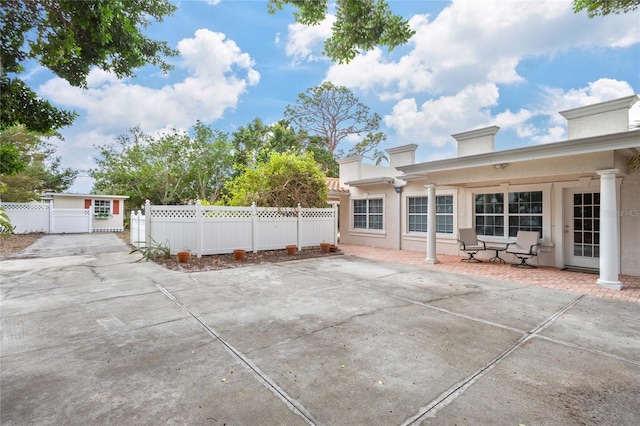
525	247
468	242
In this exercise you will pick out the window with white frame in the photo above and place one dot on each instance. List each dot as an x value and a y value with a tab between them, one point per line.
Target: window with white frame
417	214
368	214
500	215
417	211
102	207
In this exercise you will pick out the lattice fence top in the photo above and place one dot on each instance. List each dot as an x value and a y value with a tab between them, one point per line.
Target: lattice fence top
25	206
235	214
323	213
172	213
276	213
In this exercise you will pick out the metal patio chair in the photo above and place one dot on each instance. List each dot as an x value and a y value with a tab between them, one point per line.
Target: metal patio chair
468	242
525	247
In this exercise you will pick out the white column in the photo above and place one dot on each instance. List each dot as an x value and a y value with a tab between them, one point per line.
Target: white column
431	224
609	236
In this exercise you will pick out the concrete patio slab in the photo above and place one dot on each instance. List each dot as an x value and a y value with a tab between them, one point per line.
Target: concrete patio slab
96	338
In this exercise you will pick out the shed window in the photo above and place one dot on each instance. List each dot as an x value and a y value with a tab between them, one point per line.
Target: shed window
101	207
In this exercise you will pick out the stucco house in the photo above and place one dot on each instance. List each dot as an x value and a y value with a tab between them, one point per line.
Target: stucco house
578	193
106	211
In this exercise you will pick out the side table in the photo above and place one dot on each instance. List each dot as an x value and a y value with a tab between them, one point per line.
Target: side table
497	257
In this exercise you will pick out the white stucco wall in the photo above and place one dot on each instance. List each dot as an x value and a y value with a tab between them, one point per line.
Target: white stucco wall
61	202
603	124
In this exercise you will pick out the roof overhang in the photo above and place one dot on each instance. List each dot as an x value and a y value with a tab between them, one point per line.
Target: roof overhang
617	141
384	180
93	196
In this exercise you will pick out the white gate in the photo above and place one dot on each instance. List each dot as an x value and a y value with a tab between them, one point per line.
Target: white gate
41	217
70	221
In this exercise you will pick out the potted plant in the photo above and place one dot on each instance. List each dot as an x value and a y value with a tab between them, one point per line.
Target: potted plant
239	254
183	256
291	249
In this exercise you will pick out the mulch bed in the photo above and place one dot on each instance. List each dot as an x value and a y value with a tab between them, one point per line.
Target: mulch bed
226	261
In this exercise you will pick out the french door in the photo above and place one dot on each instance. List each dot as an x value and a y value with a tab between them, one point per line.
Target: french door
582	228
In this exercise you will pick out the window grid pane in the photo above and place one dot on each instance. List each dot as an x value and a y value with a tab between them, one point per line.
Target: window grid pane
101	207
367	214
417	214
490	214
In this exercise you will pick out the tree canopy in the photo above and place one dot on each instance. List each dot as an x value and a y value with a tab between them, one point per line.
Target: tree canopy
281	180
360	25
333	113
256	141
171	168
69	37
33	167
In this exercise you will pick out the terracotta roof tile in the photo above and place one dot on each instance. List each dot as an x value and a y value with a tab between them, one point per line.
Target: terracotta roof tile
334	185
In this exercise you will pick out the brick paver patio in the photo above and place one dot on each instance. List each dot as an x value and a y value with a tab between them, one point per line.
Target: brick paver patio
544	276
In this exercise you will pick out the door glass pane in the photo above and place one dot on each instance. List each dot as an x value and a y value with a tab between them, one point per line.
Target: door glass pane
577	199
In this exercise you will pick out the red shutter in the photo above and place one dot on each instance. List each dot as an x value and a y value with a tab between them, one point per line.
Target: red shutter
87	204
116	206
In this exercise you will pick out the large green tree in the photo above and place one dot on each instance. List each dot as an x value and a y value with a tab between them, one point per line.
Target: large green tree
333	113
360	25
34	167
172	168
282	180
70	37
256	141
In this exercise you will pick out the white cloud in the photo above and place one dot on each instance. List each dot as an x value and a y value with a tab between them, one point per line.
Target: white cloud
474	43
218	73
604	89
436	119
305	43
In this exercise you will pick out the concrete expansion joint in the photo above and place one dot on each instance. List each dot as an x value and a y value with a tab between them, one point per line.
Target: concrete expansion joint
451	394
292	404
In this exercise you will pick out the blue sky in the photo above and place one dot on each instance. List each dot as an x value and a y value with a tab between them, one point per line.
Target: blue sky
471	64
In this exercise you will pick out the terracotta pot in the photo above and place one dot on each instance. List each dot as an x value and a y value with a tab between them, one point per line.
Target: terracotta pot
183	256
333	248
324	247
291	249
238	254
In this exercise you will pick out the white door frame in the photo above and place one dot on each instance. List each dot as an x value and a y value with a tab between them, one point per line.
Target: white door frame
581	245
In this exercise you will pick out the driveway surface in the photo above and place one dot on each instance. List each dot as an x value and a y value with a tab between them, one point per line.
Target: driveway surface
90	337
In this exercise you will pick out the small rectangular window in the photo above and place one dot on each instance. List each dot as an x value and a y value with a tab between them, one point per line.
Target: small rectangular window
102	207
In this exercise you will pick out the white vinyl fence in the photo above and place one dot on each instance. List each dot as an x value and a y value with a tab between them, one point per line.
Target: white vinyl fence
215	229
42	217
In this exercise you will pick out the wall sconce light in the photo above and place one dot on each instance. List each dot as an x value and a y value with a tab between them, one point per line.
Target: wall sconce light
500	166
